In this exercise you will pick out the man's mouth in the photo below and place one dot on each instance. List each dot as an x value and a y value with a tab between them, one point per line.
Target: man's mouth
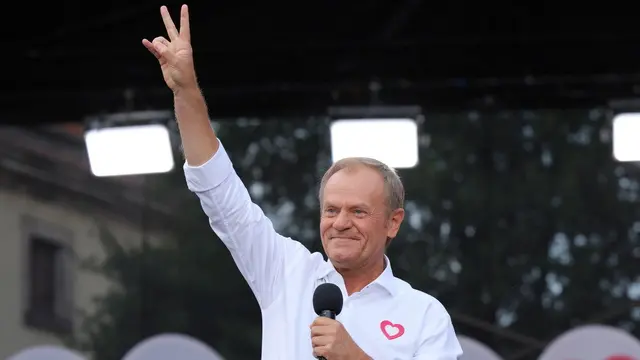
344	238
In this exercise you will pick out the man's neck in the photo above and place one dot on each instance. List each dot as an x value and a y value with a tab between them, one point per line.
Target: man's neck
356	279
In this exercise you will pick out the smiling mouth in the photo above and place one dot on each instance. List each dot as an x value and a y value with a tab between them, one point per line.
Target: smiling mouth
343	238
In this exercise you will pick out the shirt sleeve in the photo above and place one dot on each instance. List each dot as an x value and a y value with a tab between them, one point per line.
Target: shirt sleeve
261	254
439	340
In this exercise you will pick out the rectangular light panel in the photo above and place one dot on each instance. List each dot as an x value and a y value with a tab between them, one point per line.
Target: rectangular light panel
626	137
392	141
129	150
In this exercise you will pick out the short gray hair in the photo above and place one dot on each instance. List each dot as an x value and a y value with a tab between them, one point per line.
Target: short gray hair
394	190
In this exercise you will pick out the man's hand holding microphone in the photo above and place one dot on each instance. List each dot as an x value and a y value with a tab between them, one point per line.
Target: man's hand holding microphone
330	340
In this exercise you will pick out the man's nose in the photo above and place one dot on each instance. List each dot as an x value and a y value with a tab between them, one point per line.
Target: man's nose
342	222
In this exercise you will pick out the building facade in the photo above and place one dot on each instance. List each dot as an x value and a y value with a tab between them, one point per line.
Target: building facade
50	210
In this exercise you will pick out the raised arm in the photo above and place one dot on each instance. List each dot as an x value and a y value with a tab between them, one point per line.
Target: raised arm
261	254
176	61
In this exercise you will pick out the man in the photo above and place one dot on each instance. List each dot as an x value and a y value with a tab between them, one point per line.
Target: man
383	318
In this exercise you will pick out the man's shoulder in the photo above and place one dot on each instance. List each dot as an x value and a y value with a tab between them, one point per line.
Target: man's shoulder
418	299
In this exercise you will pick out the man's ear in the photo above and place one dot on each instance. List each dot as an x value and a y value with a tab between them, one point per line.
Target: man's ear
395	220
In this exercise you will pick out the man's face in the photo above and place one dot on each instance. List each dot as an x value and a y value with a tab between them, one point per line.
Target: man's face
355	221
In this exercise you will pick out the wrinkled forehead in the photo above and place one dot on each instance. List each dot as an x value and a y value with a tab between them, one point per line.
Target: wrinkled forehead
353	185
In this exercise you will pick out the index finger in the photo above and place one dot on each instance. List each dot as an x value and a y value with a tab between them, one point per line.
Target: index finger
185	32
322	321
321	330
168	23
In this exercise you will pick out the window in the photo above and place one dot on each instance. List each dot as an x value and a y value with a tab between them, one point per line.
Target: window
48	300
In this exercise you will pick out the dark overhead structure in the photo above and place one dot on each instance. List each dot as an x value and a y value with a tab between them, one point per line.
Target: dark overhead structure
66	60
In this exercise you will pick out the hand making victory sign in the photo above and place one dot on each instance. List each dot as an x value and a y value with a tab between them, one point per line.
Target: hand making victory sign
175	55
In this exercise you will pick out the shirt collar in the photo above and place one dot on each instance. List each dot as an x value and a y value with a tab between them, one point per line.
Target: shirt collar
386	280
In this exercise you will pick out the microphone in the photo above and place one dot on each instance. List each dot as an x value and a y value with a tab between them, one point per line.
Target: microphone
327	302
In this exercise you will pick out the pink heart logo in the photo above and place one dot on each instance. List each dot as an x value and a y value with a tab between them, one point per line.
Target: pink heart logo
391	330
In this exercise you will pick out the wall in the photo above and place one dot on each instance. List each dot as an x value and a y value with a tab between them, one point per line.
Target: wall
46	187
14	335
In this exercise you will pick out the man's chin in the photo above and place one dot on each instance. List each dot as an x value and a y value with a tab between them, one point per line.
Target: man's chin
340	259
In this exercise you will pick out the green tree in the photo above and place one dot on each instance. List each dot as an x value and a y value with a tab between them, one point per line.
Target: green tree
526	222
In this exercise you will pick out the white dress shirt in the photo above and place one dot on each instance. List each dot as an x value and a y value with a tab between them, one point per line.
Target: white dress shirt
388	319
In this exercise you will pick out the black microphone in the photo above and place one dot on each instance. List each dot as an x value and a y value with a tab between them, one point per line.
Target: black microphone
327	302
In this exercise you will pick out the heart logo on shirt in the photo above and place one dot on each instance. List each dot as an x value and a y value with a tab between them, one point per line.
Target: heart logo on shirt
391	330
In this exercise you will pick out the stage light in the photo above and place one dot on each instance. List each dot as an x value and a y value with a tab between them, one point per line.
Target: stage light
377	134
626	132
134	149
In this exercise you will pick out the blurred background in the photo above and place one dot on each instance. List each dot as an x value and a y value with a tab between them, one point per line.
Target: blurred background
520	219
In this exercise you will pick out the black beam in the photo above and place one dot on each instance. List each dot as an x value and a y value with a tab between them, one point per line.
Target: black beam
302	99
128	64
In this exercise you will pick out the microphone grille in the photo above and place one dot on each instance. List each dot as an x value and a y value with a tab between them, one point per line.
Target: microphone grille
327	296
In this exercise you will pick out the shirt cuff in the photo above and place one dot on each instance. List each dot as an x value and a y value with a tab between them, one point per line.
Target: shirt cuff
210	174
